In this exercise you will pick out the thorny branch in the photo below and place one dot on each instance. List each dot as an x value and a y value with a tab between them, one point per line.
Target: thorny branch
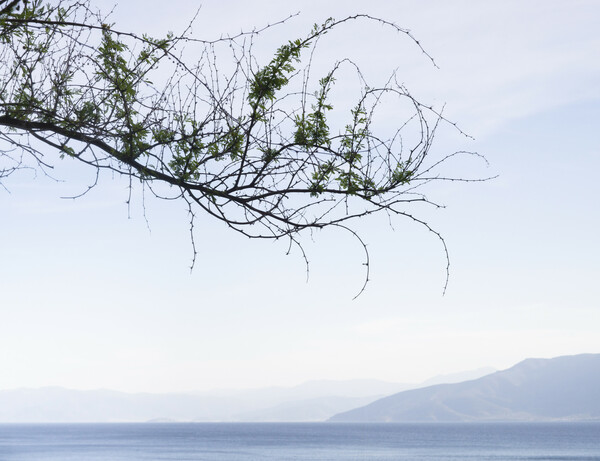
250	145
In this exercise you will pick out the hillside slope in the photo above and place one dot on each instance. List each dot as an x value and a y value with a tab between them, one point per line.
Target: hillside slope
563	388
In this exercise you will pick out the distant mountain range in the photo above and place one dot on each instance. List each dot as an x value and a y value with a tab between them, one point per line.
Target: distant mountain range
563	388
311	401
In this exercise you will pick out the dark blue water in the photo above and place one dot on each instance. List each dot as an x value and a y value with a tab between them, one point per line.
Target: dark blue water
302	441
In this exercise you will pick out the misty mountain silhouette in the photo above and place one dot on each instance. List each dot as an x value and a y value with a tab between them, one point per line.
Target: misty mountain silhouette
310	401
562	388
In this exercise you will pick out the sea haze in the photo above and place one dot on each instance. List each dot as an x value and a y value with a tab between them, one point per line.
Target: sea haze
311	401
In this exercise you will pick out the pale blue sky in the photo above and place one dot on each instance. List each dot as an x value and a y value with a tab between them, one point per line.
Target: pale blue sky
93	299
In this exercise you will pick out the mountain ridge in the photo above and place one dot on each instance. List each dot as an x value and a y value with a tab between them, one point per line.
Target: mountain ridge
561	388
309	401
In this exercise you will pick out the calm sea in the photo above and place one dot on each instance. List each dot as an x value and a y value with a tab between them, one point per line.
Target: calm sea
301	441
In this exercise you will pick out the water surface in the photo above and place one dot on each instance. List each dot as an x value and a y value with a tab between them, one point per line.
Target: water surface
299	441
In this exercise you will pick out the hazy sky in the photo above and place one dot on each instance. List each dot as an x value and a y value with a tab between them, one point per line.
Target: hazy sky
91	298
